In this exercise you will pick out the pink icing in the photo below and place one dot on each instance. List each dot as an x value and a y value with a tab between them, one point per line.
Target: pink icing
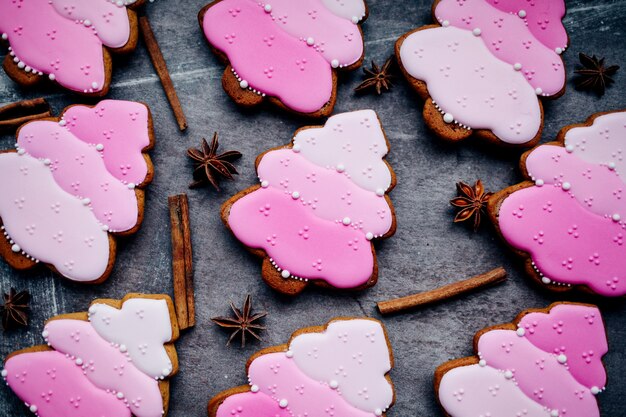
251	404
52	384
567	243
562	330
509	39
542	17
49	43
279	378
48	224
474	87
105	366
597	188
122	128
78	168
329	194
538	374
471	391
334	37
602	143
266	57
299	242
108	20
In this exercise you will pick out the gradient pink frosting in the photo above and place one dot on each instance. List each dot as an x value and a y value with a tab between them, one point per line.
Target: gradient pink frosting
42	380
508	38
543	17
266	57
567	243
560	332
78	168
300	242
537	373
329	194
105	366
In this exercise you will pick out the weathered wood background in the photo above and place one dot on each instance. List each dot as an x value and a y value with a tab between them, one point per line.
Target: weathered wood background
427	251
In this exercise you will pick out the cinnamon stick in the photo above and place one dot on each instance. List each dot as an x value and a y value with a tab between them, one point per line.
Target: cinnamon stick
160	67
182	264
443	293
14	115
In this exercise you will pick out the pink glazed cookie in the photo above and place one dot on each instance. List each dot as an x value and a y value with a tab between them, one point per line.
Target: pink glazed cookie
548	363
347	375
569	221
320	203
113	361
71	184
67	41
285	51
483	69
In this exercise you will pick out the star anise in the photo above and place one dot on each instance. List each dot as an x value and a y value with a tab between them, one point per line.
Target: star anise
472	201
14	311
243	323
209	166
377	78
594	75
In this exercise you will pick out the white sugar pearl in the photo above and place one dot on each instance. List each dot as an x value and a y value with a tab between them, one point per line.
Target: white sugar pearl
482	363
611	166
448	118
62	122
616	217
16	248
341	168
569	148
310	41
33	408
334	63
355	19
538	91
539	183
445	23
243	84
508	374
52	77
561	358
477	32
369	236
4	373
165	372
131	185
87	22
380	192
378	412
289	354
522	13
265	184
5	36
21	151
99	147
346	221
595	390
123	348
267	8
517	66
254	388
45	334
520	331
334	384
120	395
283	403
559	51
295	195
554	413
566	186
79	361
296	148
94	85
285	274
546	280
86	201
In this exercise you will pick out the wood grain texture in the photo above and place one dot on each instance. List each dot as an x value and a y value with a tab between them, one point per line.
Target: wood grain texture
428	251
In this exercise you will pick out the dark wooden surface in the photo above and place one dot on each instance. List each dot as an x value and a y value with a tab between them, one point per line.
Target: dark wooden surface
427	251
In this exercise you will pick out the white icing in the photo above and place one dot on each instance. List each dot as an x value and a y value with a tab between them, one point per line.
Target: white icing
143	326
353	143
354	353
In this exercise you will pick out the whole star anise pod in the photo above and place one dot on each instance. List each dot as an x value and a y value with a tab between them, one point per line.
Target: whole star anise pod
594	75
243	323
209	166
14	311
472	201
377	78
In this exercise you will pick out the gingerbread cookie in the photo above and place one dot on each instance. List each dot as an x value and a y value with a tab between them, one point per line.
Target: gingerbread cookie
113	361
75	181
483	69
569	223
285	51
547	363
67	41
321	202
346	376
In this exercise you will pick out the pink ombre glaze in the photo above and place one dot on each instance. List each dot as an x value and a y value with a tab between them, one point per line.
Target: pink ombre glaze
48	223
282	67
597	188
470	391
250	404
280	378
538	374
329	194
78	168
297	240
334	37
57	387
50	43
578	332
509	39
105	366
122	127
108	20
467	81
567	243
542	16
